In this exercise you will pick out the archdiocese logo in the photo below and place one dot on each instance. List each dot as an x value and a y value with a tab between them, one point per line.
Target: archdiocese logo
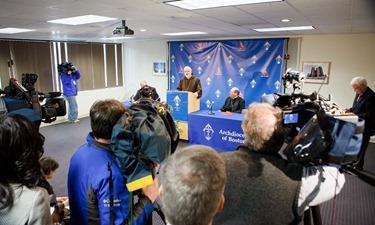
208	132
177	101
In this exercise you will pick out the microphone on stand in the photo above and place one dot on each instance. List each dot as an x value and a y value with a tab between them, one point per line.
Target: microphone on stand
211	113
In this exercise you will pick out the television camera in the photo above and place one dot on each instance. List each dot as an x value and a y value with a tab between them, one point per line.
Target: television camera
21	98
65	67
316	132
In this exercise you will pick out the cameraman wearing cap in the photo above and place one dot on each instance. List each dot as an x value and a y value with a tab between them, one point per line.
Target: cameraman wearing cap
69	75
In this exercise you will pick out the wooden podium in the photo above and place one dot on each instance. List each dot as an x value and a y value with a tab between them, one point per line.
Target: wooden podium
183	103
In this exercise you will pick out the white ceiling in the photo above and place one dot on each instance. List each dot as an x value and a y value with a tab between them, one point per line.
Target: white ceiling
327	16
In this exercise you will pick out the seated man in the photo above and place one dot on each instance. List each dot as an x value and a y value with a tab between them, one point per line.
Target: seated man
154	95
192	186
263	188
234	103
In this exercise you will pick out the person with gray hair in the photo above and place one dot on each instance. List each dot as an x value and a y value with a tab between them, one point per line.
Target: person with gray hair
364	107
234	103
190	83
193	180
153	93
263	188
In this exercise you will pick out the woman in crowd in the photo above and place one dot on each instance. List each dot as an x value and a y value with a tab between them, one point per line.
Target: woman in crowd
21	146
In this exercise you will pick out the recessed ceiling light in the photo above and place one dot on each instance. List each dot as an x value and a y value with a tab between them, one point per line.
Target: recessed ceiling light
204	4
142	30
79	20
116	38
184	33
285	20
284	29
12	30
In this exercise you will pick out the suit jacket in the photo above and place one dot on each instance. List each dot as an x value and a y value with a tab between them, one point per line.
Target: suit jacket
154	95
364	108
261	189
31	206
233	105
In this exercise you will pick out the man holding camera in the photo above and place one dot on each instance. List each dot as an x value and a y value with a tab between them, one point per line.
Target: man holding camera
69	75
263	188
94	176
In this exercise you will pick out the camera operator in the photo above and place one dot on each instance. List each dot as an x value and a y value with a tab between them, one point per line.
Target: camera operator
93	171
263	188
363	107
69	75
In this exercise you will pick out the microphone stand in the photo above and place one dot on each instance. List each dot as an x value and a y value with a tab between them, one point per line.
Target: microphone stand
210	112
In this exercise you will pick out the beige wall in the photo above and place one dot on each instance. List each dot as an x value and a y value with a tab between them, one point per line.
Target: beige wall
139	57
350	56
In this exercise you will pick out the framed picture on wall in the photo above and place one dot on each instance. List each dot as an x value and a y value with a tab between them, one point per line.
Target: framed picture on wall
159	69
316	72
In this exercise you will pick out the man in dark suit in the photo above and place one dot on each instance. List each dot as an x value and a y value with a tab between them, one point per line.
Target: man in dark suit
234	103
154	93
363	107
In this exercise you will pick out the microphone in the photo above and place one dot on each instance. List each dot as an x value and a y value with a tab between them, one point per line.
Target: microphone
211	113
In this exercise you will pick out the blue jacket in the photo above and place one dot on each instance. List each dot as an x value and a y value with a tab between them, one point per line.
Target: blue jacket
69	83
89	190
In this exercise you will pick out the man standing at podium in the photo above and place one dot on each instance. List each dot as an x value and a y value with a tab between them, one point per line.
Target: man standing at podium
190	83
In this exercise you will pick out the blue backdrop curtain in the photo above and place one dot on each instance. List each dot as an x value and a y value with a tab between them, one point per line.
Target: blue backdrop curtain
254	66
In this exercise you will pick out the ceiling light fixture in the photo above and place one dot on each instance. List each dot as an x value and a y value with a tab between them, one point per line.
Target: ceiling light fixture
116	38
184	33
12	30
80	20
285	29
285	20
205	4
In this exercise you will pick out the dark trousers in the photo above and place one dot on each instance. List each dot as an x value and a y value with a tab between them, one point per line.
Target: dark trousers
361	155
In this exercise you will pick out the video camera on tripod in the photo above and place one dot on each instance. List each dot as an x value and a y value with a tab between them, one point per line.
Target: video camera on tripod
20	98
315	133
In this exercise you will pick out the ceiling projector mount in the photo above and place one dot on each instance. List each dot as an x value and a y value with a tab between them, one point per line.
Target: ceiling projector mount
123	30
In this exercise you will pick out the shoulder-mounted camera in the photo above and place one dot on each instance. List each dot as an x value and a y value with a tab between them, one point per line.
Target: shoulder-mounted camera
65	67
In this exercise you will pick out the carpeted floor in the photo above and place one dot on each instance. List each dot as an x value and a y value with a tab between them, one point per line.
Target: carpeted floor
355	205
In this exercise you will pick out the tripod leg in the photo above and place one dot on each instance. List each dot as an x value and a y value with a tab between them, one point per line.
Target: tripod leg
317	218
307	217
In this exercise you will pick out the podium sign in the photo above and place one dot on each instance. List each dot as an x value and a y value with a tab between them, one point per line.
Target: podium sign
183	103
179	100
